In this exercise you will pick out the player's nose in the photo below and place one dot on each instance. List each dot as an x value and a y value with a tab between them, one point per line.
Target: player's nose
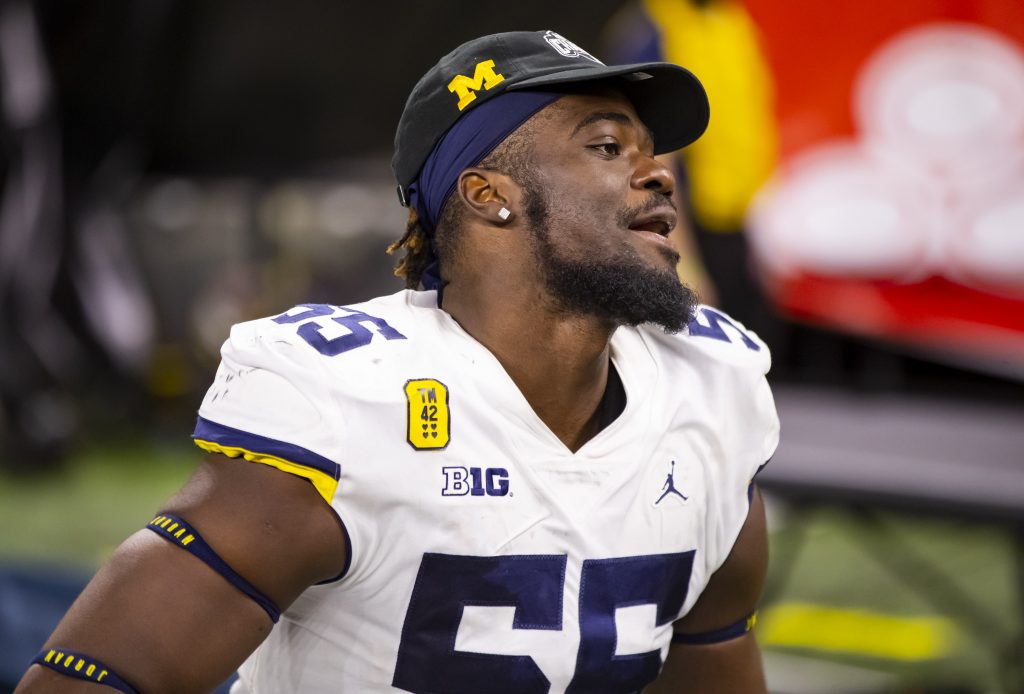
654	175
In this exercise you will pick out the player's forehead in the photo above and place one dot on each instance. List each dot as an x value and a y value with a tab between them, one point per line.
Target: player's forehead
574	113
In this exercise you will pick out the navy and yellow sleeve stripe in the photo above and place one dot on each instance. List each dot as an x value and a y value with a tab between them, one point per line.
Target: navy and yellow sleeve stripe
296	460
733	631
82	667
177	531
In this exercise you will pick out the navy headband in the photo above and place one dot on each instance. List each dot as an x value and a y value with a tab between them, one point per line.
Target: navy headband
465	144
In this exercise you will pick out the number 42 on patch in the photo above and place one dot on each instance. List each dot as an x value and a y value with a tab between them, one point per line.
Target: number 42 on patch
429	419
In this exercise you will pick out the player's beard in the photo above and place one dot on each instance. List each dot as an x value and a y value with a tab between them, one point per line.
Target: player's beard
624	291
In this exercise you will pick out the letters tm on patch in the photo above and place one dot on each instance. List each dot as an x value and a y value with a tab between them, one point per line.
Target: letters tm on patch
429	420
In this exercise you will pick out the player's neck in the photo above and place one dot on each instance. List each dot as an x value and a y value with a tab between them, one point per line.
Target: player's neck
558	361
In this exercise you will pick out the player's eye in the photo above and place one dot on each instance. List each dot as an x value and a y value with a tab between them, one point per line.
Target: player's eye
610	149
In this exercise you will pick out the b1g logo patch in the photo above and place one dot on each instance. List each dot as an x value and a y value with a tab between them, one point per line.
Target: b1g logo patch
475	481
429	421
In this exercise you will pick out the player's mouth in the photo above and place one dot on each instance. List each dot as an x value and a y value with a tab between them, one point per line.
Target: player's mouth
656	225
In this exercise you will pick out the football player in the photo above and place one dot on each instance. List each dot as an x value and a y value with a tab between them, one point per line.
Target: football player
528	472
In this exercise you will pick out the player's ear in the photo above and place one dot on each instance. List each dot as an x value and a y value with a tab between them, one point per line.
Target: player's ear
490	195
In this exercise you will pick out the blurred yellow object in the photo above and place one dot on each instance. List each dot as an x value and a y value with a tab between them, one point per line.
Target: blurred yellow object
861	632
168	375
729	163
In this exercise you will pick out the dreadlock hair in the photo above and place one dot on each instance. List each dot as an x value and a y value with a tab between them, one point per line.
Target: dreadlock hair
512	157
418	254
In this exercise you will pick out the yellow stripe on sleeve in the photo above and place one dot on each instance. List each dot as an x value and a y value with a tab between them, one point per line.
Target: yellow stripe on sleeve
324	483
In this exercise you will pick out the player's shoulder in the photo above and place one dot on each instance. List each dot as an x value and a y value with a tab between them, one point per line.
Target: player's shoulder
312	332
712	337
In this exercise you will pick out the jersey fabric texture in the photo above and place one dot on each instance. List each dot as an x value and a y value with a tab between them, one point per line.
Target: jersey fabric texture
484	555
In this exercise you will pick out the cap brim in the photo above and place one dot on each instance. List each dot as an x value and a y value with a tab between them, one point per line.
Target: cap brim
670	101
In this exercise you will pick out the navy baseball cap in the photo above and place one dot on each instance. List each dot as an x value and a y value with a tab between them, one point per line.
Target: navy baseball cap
669	99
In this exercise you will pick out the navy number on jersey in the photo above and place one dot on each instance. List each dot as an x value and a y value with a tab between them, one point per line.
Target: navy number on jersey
707	322
315	327
534	586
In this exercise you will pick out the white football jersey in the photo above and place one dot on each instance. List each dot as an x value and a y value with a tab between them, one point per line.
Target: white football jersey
485	555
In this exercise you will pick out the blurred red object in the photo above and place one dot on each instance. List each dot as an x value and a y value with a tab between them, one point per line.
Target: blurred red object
897	210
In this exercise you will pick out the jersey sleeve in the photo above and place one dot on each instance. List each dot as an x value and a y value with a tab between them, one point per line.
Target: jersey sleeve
268	405
748	423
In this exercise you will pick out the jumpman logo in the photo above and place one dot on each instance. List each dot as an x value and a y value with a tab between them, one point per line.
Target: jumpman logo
670	487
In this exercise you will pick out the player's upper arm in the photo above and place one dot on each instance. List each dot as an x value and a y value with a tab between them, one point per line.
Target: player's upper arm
714	649
159	616
166	622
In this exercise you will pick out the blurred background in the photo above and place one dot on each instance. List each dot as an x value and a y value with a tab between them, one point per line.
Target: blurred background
171	167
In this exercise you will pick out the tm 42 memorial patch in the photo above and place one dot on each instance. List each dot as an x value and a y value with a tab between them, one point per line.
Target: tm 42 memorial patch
429	420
